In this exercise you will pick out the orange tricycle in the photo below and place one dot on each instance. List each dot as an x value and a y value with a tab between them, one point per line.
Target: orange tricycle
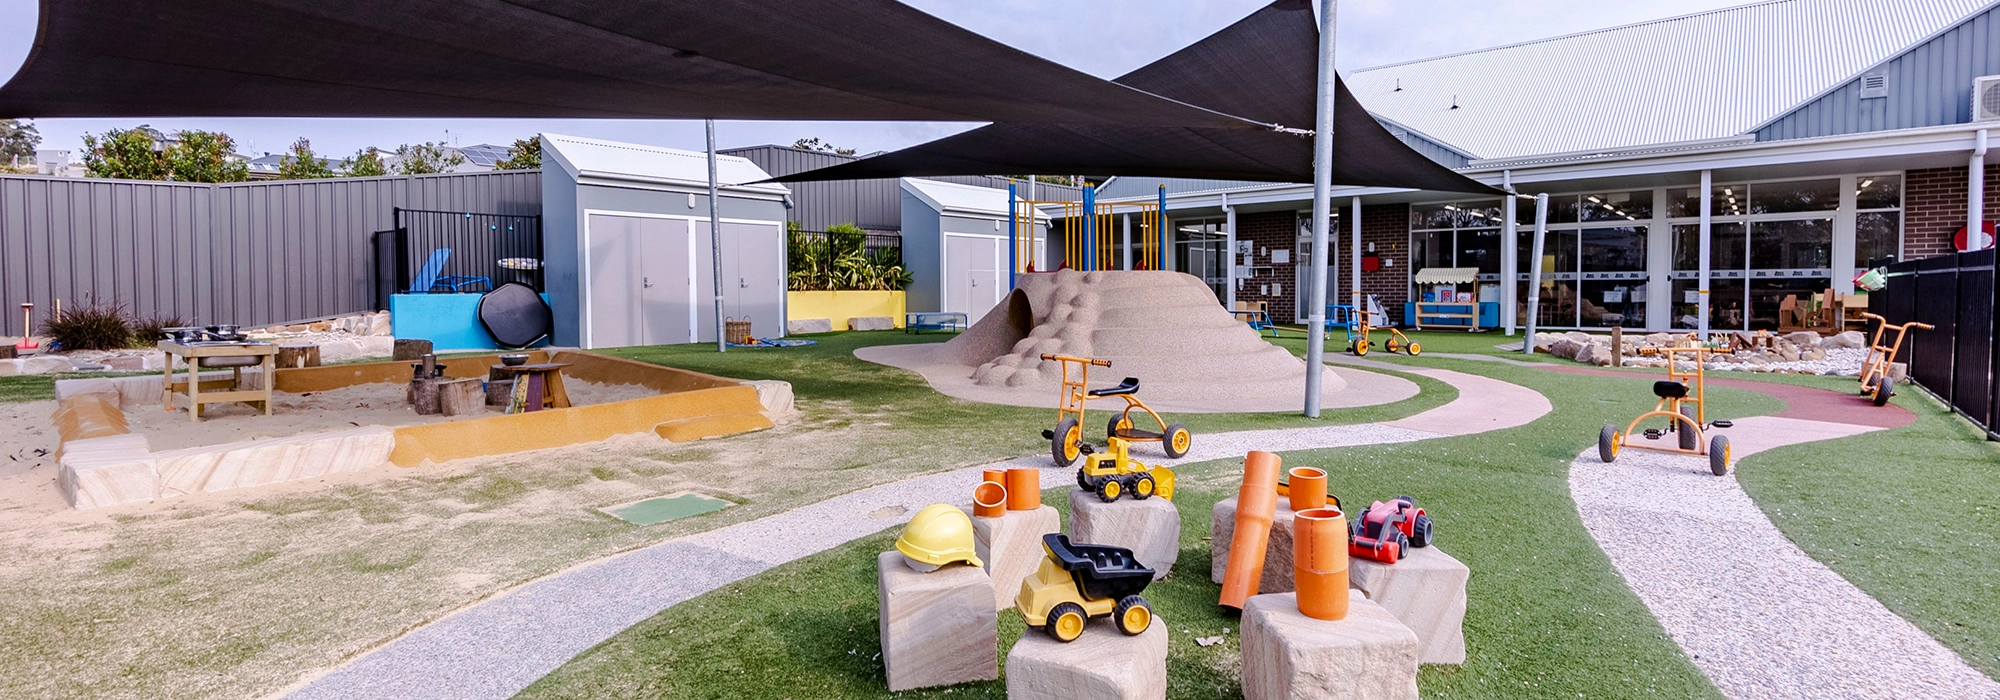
1066	440
1875	381
1683	403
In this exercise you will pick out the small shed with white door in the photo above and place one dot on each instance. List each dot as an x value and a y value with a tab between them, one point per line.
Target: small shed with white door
626	239
955	246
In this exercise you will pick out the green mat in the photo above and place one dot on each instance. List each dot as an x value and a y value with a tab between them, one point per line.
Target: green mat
660	509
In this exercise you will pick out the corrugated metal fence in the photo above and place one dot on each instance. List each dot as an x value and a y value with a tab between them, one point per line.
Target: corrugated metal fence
876	205
1958	360
244	253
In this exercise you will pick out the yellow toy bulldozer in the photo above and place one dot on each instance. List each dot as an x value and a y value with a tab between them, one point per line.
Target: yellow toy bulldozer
1077	582
1113	473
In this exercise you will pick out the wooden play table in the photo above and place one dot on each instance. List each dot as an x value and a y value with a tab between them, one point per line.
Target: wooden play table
536	386
235	357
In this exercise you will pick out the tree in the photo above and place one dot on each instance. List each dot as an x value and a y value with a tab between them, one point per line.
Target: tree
814	144
125	154
204	156
18	139
525	155
366	162
426	158
302	163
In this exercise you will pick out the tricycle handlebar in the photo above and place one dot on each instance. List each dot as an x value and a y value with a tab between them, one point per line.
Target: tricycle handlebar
1085	360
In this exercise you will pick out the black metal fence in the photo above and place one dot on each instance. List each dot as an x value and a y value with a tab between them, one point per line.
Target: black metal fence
479	252
1958	360
814	258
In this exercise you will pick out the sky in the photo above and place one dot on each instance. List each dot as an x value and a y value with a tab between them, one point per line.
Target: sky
1105	38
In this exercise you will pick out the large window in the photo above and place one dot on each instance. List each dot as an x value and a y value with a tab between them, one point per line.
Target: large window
1456	234
1593	261
1878	218
1198	251
1771	243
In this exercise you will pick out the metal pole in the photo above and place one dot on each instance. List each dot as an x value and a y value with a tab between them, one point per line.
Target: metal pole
1126	223
1975	191
1701	282
715	240
1229	253
1013	235
1322	182
1160	232
1089	227
1535	272
1510	247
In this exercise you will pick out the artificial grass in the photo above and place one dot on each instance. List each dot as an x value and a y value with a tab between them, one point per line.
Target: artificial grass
34	387
1548	615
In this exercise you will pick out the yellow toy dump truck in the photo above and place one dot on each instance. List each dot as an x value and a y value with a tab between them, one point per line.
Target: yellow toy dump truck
1077	582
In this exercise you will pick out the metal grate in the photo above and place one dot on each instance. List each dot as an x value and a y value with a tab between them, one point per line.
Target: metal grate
495	248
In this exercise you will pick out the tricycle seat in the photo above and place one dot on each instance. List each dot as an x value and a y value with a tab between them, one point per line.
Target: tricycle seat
1129	386
1670	390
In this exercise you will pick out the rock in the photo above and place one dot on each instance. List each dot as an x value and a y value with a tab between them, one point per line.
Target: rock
1898	371
1426	591
1789	353
378	324
871	323
1846	339
1658	339
319	327
808	325
1802	339
1369	654
1011	546
1578	337
1103	664
106	471
1150	528
775	395
35	364
1565	348
1277	547
937	628
297	328
1814	355
410	349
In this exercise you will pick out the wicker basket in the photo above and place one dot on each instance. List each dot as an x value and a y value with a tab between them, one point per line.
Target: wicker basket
736	332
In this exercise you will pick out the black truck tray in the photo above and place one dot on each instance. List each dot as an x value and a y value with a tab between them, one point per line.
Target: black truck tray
1102	571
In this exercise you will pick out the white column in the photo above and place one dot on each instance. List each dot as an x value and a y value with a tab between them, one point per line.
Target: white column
1975	191
1659	267
1126	224
1510	250
1354	254
1701	288
1842	263
1229	253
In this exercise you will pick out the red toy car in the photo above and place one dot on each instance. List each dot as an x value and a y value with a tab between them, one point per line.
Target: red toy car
1387	530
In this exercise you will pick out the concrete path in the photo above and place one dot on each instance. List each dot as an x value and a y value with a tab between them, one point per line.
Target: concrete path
495	648
1751	610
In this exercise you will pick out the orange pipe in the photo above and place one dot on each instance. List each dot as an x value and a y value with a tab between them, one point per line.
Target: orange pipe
1319	562
1024	489
989	499
1308	488
1256	505
998	476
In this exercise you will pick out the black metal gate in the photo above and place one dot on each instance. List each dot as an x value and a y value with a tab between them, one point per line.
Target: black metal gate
1957	361
478	252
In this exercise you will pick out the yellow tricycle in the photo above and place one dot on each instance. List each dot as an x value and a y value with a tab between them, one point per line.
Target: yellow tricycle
1066	440
1875	381
1683	403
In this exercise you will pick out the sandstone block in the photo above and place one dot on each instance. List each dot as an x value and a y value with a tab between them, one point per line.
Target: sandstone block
1103	664
937	628
1578	337
1150	528
66	388
38	364
1846	339
1011	546
776	397
88	416
1277	547
106	471
1426	591
871	323
808	325
1289	656
245	464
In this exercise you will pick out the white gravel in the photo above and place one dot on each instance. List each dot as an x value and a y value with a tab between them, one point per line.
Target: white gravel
1752	610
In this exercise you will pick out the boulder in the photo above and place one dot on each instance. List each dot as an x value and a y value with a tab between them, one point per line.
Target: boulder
1287	656
378	324
937	628
1426	591
1150	528
1011	547
1789	353
1802	339
1565	348
1659	339
1846	339
808	325
1103	664
1277	547
871	323
1578	337
1814	355
1898	371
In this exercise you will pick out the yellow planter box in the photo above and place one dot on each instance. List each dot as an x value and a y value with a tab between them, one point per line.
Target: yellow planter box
837	307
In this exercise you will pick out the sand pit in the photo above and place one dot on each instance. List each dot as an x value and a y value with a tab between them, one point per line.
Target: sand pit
361	405
1165	328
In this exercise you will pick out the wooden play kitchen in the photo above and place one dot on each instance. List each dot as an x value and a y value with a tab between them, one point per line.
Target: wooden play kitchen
216	347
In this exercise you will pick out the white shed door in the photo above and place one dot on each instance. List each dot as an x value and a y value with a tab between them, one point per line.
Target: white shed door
638	281
972	275
753	264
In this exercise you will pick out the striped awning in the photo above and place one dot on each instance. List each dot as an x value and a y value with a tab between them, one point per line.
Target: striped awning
1446	275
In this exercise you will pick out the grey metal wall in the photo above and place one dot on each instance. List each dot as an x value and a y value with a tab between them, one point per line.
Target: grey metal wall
1929	85
871	204
245	253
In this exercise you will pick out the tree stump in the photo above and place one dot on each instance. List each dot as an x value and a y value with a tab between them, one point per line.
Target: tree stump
461	397
424	396
1617	346
410	349
296	356
7	352
499	392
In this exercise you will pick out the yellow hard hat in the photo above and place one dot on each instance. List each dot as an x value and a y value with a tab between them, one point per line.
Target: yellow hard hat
939	534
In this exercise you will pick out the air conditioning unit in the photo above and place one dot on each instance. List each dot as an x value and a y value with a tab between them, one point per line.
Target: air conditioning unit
1986	98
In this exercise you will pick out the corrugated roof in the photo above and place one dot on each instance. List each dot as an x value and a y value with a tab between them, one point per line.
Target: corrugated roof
1702	76
586	158
955	198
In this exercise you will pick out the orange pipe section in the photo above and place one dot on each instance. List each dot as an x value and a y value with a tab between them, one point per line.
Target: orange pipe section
1319	562
1256	505
998	476
1308	488
1024	489
989	499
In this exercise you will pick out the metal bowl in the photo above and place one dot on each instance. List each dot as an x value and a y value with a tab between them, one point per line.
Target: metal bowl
514	359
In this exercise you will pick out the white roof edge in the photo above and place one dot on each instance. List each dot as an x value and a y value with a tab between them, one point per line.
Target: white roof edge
738	175
1505	163
920	188
1469	155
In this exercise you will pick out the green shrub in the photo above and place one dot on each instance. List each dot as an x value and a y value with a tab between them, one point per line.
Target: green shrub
152	330
92	326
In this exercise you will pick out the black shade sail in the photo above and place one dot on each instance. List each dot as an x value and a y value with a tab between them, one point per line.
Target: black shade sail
678	59
1262	68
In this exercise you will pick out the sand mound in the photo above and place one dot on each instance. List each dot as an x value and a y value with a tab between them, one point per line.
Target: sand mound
1165	328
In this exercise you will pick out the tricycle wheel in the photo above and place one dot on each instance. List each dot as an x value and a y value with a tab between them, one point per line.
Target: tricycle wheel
1066	442
1690	439
1391	345
1119	421
1133	614
1177	440
1718	455
1066	622
1143	486
1415	349
1109	490
1360	347
1607	443
1883	392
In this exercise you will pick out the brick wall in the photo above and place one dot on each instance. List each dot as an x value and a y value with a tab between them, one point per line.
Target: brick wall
1268	231
1385	225
1388	227
1934	208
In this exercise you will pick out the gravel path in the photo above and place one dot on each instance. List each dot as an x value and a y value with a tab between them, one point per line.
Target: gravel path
1752	610
495	648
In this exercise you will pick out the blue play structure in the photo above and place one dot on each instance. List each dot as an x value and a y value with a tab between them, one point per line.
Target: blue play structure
429	279
449	321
